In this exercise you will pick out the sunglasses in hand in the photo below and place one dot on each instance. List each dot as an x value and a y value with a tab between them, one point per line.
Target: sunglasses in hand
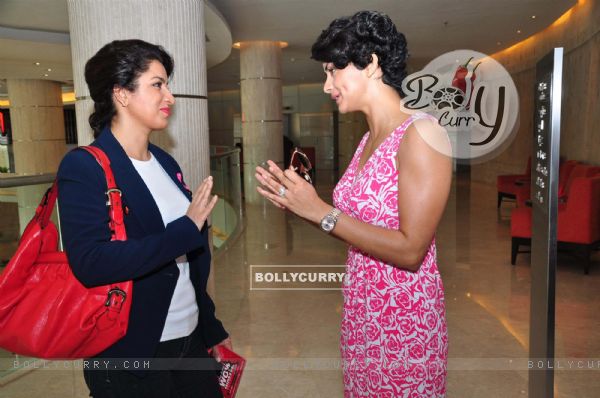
301	165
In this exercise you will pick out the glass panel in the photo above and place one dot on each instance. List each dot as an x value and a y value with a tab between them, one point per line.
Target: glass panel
18	202
227	214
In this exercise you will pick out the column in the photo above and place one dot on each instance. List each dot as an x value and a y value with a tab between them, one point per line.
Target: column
38	130
179	28
262	126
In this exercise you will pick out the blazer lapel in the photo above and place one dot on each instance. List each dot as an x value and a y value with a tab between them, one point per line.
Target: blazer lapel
135	193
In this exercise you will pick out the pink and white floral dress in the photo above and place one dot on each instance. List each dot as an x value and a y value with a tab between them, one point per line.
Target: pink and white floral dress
394	340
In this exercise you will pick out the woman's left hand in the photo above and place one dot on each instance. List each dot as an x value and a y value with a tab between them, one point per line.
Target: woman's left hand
287	190
225	343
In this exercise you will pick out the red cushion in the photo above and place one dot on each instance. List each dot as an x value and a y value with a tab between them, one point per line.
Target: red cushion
506	183
520	222
580	170
523	194
579	219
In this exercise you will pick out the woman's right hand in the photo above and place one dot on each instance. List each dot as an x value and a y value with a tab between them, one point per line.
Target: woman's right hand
202	203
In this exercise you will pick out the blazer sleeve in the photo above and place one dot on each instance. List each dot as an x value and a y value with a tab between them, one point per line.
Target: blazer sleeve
94	258
213	329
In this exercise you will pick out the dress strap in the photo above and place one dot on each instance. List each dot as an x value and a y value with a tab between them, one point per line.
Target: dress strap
398	134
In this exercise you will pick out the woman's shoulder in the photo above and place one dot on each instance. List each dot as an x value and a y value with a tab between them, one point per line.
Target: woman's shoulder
424	135
78	162
419	119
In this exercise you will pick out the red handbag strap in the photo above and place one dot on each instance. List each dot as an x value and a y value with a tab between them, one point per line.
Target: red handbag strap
46	206
114	203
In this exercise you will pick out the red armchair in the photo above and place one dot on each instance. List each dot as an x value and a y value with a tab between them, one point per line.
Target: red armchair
578	219
580	170
506	184
565	170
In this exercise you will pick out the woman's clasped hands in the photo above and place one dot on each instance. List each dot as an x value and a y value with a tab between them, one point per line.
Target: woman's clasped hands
287	190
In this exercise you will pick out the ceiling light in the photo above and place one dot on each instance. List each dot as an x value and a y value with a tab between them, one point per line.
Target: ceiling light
45	75
282	44
499	43
533	17
49	70
519	31
37	64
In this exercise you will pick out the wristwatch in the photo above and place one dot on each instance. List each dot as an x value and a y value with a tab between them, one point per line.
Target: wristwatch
328	222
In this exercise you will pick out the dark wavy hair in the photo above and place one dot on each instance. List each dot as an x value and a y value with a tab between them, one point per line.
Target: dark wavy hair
354	39
119	64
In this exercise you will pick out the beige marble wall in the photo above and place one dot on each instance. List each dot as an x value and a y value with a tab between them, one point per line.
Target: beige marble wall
578	31
223	106
262	119
38	130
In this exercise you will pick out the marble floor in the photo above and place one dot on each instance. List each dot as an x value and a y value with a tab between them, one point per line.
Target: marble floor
290	337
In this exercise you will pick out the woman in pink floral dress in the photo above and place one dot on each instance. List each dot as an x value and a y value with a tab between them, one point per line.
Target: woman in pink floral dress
387	207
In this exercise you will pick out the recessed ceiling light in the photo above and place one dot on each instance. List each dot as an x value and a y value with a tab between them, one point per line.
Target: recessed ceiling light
499	43
45	75
49	70
238	45
292	59
37	64
533	17
519	31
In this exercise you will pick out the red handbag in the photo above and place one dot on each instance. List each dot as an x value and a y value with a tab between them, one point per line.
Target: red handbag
45	312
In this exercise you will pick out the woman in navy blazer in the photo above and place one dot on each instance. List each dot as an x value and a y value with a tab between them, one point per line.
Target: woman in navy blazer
128	82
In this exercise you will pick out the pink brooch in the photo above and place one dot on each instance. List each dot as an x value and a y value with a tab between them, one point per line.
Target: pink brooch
180	178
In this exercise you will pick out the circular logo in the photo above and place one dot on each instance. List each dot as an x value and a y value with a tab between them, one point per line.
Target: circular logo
472	96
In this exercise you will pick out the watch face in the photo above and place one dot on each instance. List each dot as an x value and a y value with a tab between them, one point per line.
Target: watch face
327	224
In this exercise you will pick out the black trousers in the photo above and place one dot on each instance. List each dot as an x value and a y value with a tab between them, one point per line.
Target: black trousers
181	368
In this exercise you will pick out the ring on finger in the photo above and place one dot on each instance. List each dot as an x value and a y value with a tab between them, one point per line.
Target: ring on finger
282	191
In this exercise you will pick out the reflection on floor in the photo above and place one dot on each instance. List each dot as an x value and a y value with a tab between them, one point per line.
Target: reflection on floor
290	338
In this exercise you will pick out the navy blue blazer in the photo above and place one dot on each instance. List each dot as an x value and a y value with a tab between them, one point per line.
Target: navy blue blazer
147	256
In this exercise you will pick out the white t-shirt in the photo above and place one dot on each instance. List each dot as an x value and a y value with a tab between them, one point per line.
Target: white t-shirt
182	318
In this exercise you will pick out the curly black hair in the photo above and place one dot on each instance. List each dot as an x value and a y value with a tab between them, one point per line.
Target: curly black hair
119	64
354	39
